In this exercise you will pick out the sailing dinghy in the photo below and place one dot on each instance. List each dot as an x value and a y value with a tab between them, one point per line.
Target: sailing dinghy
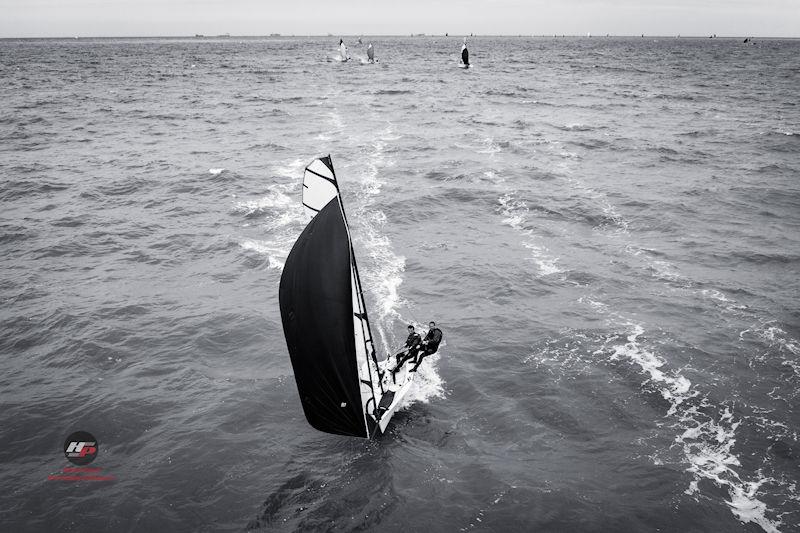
343	388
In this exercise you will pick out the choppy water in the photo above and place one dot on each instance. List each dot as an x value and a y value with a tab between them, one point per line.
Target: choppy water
607	230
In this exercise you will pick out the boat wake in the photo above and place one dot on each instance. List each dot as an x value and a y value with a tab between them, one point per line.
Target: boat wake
708	431
383	273
515	214
428	384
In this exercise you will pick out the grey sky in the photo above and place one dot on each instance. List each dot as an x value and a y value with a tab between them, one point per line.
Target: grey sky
68	18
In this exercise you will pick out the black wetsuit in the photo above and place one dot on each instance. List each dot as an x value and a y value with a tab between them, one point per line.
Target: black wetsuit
432	340
429	345
412	346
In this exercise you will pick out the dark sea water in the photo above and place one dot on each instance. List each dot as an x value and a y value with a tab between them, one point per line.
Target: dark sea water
607	231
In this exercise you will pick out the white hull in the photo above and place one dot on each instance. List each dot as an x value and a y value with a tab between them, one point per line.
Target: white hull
400	386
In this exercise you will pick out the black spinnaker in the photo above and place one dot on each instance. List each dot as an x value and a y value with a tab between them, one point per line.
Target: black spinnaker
324	319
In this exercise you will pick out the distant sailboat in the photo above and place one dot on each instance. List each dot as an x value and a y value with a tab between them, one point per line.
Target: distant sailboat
343	388
465	55
370	53
342	51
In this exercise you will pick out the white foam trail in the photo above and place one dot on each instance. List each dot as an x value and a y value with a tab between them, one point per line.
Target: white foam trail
665	270
291	170
386	270
485	146
706	441
390	268
492	176
673	387
427	384
619	223
277	201
387	267
707	446
276	254
215	171
577	126
283	215
562	357
774	337
722	300
337	128
515	214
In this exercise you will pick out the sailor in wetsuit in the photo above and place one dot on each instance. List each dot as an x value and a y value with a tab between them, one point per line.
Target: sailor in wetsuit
412	346
429	345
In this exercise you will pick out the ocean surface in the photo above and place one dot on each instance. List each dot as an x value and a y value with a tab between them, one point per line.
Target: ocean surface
607	231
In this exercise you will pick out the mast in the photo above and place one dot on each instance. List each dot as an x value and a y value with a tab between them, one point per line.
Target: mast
369	343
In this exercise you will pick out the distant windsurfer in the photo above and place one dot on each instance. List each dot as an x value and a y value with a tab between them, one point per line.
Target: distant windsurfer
370	53
465	53
342	50
429	344
412	346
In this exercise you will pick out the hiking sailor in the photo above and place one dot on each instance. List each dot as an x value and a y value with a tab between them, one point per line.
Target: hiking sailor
429	345
412	346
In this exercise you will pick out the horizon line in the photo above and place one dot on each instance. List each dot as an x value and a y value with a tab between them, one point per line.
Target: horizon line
455	35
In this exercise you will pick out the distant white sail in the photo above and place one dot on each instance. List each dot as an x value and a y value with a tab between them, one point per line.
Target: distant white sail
343	51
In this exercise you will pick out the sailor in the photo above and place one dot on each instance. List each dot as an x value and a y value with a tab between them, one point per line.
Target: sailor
412	346
429	345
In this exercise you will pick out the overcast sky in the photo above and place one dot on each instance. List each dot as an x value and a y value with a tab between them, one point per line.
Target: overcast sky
69	18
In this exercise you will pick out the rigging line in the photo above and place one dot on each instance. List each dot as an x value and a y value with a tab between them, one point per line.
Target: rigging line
365	329
365	321
362	318
360	291
354	274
